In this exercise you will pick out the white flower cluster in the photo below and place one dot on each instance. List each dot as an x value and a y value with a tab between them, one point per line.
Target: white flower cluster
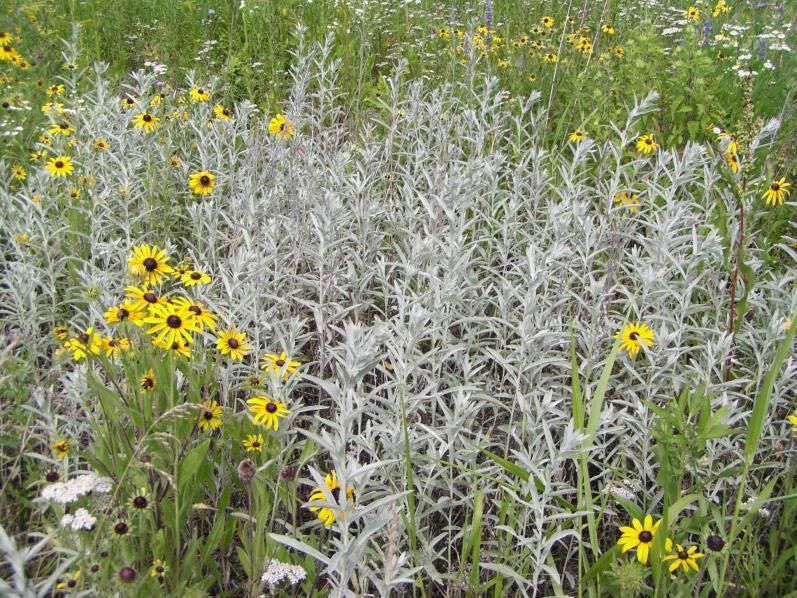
81	520
278	571
68	492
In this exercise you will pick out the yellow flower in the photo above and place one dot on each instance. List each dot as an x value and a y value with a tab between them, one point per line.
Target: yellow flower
194	277
634	336
646	144
100	144
328	514
202	182
732	161
74	193
551	58
148	381
143	299
70	582
146	121
62	128
128	102
156	100
683	558
60	166
692	14
210	416
548	22
172	324
253	443
221	112
607	29
158	569
280	363
19	173
39	155
113	346
281	127
60	448
267	411
619	51
198	94
150	263
640	537
202	317
84	343
55	90
577	135
233	343
61	333
777	192
629	200
178	348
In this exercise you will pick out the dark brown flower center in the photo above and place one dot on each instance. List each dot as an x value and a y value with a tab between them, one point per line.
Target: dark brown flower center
147	118
121	528
147	383
159	569
282	126
208	414
122	313
62	447
233	344
196	310
683	555
64	126
112	343
256	443
174	321
648	141
271	407
150	264
59	164
129	101
775	187
195	275
645	536
335	493
204	179
200	91
634	336
71	583
150	297
84	338
140	502
280	363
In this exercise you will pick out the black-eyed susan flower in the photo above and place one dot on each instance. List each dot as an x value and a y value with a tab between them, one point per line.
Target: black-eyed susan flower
69	583
125	312
607	28
634	336
158	569
150	263
683	557
209	416
61	128
61	333
646	144
100	144
55	90
128	102
628	200
199	94
174	161
74	193
692	14
733	162
233	343
114	346
122	528
619	51
148	381
548	22
281	127
84	343
60	448
39	155
194	277
328	514
6	38
253	443
640	537
221	112
144	299
267	411
203	317
777	192
19	172
792	419
202	182
178	348
577	135
146	121
139	501
171	324
60	166
279	364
